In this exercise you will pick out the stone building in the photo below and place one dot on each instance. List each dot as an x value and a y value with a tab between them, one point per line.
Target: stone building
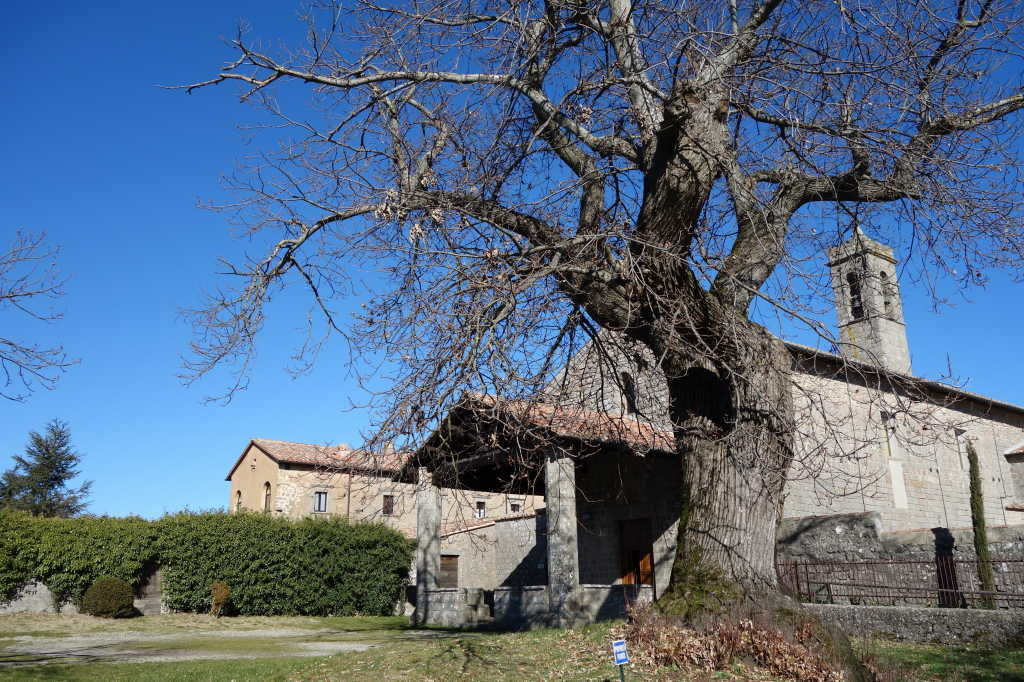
300	479
872	441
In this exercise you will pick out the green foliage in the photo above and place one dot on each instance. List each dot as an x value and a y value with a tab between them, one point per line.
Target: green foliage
38	482
274	566
109	598
69	555
985	579
220	593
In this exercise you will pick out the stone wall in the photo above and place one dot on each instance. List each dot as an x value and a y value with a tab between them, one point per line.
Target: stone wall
936	626
35	597
860	537
858	448
456	607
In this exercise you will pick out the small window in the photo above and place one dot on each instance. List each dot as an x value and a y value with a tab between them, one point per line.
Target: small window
266	496
481	509
320	502
515	507
856	303
388	506
238	500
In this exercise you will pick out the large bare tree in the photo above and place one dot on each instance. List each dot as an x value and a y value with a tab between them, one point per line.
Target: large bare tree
511	178
28	279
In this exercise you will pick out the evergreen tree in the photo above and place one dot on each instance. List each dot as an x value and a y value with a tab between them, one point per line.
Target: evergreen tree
38	481
985	578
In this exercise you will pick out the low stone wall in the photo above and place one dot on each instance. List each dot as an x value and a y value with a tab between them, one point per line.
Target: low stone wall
35	597
522	606
926	625
455	607
605	602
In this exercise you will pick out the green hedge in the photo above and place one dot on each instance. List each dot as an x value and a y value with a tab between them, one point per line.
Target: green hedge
273	566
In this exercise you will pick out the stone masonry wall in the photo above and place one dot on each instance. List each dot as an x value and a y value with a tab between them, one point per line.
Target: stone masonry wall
858	449
975	627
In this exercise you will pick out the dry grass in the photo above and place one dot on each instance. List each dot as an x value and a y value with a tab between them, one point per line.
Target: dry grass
54	625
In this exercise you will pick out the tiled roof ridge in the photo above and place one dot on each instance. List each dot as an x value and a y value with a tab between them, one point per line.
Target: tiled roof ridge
606	426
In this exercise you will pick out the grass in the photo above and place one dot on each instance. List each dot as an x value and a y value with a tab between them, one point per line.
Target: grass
948	663
239	670
405	654
569	655
53	625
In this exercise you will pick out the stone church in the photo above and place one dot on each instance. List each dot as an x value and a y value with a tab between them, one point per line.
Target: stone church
873	443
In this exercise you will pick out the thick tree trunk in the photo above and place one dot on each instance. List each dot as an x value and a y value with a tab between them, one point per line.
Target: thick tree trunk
733	423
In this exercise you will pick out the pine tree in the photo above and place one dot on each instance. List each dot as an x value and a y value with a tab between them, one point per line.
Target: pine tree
38	481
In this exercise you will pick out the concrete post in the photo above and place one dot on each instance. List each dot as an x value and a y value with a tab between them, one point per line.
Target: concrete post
428	541
563	551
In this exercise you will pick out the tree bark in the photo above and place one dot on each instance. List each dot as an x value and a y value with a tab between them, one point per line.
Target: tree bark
733	423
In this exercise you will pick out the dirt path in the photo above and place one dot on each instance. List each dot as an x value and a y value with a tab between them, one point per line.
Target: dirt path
194	645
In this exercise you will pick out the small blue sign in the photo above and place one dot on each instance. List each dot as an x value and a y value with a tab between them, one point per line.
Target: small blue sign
619	651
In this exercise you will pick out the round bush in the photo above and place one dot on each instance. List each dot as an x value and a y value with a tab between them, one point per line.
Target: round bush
109	598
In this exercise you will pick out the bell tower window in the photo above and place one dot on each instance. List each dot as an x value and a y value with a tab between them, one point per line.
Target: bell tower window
856	300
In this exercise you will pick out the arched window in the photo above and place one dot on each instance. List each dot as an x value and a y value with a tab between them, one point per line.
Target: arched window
266	496
856	302
238	500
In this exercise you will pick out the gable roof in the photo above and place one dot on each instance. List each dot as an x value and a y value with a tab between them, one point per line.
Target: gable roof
565	421
333	457
955	393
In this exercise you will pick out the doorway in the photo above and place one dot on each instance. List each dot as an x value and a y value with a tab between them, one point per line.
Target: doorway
636	563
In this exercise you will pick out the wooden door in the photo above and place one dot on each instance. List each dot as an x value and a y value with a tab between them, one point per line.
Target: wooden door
636	552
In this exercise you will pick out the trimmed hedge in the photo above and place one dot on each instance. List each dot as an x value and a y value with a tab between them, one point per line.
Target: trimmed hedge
274	566
109	598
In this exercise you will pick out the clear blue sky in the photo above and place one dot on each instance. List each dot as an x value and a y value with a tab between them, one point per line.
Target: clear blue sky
111	168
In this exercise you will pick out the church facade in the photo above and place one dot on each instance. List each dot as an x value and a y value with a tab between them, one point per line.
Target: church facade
871	439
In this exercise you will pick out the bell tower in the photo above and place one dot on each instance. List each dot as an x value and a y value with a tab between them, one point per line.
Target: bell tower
868	304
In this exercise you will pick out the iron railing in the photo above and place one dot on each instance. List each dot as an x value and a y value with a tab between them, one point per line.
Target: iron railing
943	581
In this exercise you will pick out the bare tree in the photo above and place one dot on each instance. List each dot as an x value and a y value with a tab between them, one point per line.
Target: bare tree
515	177
29	278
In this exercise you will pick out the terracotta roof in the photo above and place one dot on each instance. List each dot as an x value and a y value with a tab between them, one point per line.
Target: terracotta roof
574	422
328	456
1019	450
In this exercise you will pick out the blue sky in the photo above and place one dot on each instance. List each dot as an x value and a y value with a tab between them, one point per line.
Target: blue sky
111	168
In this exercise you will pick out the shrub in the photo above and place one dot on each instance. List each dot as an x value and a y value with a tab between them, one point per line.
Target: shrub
220	593
275	566
109	598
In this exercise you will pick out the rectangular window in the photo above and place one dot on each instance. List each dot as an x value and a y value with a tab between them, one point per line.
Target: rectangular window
449	571
515	507
388	507
320	501
481	509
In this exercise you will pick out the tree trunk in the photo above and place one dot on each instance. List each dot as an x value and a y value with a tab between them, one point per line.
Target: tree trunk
733	423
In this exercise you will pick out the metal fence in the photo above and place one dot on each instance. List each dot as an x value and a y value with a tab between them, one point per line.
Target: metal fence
945	582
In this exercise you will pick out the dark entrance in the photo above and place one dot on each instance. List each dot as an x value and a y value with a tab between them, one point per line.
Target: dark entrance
636	552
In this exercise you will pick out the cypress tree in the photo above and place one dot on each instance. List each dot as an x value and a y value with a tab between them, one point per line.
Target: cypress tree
38	481
985	579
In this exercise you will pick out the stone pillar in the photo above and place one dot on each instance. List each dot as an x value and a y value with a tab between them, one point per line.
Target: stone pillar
563	550
428	541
